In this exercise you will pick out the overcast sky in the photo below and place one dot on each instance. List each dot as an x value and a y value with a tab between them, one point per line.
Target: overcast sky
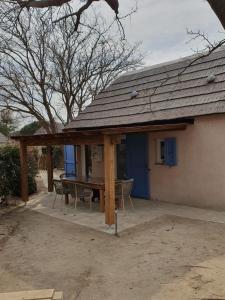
162	24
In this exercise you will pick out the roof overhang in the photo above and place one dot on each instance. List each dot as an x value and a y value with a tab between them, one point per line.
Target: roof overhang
95	136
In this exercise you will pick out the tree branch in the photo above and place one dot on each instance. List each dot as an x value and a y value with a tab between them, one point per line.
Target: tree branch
218	6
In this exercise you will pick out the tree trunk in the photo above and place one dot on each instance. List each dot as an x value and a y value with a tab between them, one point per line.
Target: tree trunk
218	7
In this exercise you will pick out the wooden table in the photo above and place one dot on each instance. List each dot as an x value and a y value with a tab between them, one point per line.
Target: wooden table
96	183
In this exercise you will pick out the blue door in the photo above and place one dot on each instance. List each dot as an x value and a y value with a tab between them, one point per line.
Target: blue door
137	164
70	160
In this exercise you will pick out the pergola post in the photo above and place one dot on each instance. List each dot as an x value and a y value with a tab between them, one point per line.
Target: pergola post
24	171
79	162
50	168
109	168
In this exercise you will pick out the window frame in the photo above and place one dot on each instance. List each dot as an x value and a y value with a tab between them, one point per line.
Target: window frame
159	160
168	144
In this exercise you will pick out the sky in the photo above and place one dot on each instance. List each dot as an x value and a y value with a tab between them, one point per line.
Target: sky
161	26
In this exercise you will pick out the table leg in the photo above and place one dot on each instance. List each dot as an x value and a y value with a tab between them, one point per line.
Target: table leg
102	200
66	199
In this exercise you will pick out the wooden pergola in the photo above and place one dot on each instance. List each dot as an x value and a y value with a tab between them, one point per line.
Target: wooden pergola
108	137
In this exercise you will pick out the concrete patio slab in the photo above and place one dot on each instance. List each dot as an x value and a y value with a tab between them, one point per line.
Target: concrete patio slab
145	211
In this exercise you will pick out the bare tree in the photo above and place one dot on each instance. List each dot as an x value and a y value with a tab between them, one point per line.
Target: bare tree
218	6
84	64
75	10
23	68
51	73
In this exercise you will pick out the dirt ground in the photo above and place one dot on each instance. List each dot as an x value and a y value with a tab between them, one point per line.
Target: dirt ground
167	258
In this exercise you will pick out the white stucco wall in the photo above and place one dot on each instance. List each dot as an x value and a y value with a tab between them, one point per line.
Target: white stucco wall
199	177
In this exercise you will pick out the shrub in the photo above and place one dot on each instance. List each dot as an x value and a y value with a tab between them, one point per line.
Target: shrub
10	171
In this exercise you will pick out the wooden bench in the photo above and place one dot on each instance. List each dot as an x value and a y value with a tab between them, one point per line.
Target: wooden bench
33	295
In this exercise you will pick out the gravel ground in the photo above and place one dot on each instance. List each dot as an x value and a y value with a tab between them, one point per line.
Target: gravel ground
167	258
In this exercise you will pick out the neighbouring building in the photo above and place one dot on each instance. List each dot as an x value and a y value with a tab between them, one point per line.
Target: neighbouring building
42	150
3	139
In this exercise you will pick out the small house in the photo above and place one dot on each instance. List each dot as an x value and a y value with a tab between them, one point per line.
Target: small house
163	126
184	165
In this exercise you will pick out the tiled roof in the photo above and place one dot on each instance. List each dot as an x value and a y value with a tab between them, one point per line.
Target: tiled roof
165	92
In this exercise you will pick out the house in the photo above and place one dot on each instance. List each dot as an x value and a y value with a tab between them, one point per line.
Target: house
163	126
180	166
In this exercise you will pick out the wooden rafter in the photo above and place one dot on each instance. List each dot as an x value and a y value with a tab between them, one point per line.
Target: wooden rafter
134	129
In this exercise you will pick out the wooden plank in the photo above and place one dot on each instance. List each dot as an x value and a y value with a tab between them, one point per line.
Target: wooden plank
58	296
24	172
28	295
50	168
109	168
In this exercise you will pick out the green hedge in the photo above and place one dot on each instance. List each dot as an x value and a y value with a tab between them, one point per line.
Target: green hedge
10	171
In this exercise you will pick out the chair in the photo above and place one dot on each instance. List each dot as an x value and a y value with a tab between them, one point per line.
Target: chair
123	190
59	190
81	192
66	175
68	187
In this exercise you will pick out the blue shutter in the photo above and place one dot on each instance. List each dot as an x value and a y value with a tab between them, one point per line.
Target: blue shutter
70	160
170	152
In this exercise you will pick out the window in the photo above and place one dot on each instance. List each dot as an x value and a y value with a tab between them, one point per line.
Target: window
160	148
166	151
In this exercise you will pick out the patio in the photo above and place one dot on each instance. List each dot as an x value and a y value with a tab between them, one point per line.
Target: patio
108	138
144	211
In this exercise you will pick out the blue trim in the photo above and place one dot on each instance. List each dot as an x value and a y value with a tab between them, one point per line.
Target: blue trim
137	164
70	160
170	152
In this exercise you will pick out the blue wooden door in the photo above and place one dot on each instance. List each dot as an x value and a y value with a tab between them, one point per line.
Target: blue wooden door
70	160
137	164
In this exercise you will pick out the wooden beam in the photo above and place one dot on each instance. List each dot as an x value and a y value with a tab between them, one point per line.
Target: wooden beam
79	162
50	168
24	172
116	138
109	168
147	128
49	140
93	137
